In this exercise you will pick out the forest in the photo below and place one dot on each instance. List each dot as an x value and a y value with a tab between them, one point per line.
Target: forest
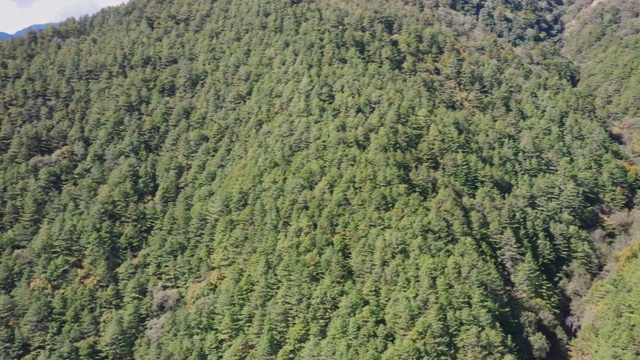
323	179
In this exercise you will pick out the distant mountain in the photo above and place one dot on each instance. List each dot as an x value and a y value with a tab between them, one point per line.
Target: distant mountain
5	36
32	27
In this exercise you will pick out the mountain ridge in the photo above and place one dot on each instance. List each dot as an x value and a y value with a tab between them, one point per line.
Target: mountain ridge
19	33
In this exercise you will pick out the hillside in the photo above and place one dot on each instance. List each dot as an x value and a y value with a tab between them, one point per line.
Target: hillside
611	327
301	179
604	38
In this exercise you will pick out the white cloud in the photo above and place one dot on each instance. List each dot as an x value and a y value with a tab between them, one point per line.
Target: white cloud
23	3
18	14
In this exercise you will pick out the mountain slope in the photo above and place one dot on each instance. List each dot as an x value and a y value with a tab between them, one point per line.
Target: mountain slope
603	38
611	328
275	179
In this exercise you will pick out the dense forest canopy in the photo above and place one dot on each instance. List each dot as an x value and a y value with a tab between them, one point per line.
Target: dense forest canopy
603	37
244	179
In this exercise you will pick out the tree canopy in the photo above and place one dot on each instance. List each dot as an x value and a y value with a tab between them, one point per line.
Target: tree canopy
283	179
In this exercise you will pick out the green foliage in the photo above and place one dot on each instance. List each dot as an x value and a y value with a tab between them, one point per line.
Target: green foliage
611	326
604	38
308	179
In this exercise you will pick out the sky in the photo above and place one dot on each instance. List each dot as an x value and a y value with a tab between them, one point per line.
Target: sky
18	14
